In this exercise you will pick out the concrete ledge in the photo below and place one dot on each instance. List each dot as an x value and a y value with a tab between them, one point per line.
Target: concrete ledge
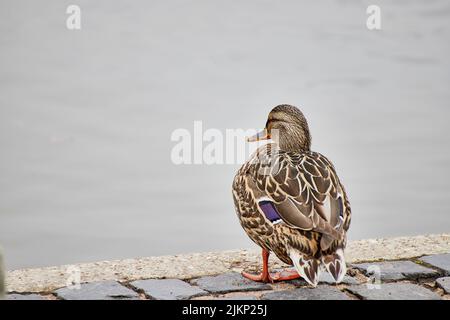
187	266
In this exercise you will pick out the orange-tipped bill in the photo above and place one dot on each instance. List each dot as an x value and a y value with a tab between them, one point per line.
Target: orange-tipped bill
262	135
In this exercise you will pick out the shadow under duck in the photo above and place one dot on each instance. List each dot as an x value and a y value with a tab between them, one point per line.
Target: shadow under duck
289	201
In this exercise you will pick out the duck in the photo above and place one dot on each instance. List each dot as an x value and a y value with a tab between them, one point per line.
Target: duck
290	202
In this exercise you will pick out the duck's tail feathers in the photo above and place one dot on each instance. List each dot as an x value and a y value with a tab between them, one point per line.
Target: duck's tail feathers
335	264
307	267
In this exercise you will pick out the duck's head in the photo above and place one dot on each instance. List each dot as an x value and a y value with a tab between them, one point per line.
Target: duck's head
287	127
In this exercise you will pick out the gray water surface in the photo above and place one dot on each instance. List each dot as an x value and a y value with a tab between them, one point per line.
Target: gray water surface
86	117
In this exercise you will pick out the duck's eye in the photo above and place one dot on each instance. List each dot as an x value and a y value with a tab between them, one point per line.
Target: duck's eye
271	122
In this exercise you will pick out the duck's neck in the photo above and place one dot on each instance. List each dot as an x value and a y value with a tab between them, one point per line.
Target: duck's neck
296	141
294	147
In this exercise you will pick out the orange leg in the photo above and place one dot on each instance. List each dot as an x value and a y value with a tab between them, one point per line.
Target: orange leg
265	276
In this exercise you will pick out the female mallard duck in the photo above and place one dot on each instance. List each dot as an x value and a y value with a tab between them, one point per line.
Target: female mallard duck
290	201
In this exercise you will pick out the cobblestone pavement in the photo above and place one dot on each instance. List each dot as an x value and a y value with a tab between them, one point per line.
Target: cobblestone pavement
425	278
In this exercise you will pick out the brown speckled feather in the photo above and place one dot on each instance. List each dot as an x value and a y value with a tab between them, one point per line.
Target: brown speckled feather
307	194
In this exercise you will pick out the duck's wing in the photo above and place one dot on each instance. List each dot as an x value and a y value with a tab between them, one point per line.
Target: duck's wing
304	190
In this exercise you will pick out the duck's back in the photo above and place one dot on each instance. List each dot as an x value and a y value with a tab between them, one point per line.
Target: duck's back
293	204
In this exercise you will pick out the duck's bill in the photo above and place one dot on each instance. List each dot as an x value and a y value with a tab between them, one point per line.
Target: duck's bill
262	135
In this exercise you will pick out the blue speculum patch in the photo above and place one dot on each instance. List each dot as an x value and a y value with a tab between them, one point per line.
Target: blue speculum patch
269	211
341	209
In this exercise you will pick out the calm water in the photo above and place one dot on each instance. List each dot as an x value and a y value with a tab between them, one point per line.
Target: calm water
86	118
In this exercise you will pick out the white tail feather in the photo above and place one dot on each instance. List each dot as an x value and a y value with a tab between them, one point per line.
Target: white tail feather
307	268
335	264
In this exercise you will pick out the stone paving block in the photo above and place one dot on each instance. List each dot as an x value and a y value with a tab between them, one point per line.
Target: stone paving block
441	261
17	296
238	297
394	291
168	289
444	283
229	282
104	290
321	292
396	270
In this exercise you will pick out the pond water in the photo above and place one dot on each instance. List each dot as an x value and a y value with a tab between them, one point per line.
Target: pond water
86	118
